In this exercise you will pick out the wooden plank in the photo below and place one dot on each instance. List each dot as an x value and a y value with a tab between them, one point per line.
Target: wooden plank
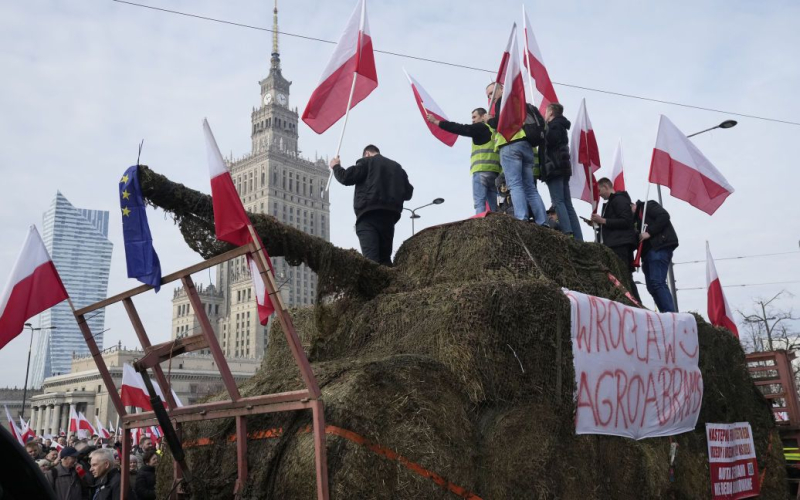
154	355
236	252
219	413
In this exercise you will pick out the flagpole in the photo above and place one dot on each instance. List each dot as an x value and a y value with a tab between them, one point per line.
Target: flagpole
527	52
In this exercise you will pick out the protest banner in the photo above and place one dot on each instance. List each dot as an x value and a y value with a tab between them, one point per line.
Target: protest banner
636	370
732	461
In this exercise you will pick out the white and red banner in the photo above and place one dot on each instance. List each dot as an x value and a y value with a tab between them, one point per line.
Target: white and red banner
101	431
501	71
719	312
732	461
231	222
134	392
534	63
426	105
27	432
636	370
12	427
351	67
679	165
585	158
617	172
513	109
84	426
34	286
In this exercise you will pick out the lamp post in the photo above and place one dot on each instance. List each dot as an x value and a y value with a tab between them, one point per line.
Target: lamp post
437	201
28	367
670	272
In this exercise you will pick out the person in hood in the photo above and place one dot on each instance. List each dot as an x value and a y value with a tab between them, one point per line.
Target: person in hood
659	241
557	169
381	188
616	226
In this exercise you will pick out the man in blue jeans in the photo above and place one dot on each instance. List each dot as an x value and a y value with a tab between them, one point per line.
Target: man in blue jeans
517	159
558	169
659	241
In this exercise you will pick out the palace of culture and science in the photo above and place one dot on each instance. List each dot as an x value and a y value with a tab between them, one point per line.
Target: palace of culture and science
273	179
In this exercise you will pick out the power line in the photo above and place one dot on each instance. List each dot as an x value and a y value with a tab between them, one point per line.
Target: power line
742	285
456	65
740	257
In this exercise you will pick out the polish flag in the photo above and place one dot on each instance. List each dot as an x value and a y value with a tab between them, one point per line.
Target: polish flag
501	71
134	392
585	159
351	68
27	432
101	431
34	286
679	165
512	108
62	432
426	105
719	313
12	426
231	222
85	426
73	420
111	427
617	174
534	63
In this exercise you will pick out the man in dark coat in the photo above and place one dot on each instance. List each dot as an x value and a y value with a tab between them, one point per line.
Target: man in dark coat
558	169
65	480
659	241
616	226
381	188
107	482
145	485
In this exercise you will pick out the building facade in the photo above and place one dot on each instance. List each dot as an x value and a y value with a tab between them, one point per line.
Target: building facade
192	376
77	240
272	179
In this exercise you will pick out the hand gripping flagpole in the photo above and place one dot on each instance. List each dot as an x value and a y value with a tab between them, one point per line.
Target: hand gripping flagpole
352	91
638	259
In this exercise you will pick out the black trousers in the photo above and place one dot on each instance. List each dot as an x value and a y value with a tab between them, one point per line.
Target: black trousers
625	254
375	231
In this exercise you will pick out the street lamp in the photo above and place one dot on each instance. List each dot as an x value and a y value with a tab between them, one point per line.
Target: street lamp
28	368
671	273
437	201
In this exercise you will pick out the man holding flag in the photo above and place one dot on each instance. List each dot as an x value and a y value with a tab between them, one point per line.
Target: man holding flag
484	160
659	240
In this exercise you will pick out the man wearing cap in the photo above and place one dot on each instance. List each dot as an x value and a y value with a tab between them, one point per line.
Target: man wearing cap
64	478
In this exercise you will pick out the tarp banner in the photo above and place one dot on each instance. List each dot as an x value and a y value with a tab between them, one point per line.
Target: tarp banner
732	461
636	370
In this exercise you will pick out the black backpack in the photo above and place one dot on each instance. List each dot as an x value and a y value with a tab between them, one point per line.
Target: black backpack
534	126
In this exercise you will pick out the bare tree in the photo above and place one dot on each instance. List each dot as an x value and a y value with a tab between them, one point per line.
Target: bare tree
769	328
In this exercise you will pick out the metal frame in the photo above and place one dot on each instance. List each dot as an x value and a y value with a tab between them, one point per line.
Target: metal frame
237	406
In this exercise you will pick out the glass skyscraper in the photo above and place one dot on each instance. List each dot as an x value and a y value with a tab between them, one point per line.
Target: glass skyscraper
77	240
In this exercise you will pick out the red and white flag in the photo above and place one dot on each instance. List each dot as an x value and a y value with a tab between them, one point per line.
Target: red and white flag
231	221
34	286
84	426
679	165
27	432
351	67
513	109
501	71
426	105
101	431
73	420
585	159
719	313
534	63
134	392
617	173
111	427
12	427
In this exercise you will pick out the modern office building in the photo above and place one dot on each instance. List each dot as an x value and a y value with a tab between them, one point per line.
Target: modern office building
272	179
77	240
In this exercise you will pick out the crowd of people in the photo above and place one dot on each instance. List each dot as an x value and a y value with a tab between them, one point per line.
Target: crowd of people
89	469
505	174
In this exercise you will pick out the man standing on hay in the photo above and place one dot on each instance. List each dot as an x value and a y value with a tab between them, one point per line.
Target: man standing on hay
381	188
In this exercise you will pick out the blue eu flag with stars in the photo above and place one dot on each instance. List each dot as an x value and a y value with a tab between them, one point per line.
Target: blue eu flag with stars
140	255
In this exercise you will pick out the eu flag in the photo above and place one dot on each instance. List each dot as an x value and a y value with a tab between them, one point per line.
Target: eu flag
140	255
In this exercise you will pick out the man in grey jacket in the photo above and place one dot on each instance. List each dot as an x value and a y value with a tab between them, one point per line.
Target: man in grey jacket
65	480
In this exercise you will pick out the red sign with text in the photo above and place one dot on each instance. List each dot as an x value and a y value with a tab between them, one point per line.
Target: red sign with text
732	461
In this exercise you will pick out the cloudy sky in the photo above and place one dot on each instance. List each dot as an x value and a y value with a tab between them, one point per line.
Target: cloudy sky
83	82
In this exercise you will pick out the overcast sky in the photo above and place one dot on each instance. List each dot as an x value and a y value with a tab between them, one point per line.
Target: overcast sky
83	82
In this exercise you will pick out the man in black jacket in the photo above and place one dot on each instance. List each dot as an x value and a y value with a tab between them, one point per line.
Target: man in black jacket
558	169
616	226
659	241
484	160
381	188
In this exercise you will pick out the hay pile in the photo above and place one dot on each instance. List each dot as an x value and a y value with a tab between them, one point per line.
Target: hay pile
456	362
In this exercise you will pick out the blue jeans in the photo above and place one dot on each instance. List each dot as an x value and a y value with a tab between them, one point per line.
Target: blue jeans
655	265
562	201
517	162
483	191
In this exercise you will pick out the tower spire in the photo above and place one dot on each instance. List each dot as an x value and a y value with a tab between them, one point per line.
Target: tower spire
276	58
